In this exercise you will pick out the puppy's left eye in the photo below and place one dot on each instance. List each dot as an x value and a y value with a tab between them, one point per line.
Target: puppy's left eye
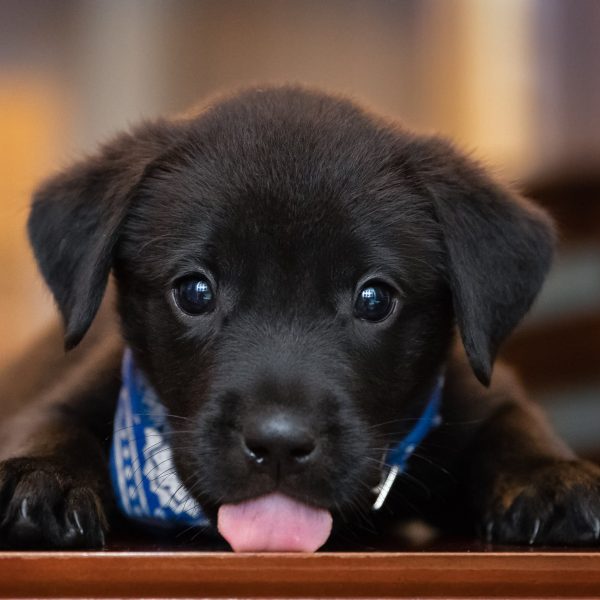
374	302
194	295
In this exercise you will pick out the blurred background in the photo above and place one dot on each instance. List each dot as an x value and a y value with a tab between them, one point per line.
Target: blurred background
515	81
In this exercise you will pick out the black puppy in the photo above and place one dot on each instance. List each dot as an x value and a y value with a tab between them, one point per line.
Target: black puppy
290	272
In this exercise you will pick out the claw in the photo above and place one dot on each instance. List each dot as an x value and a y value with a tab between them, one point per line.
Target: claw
534	534
489	532
24	509
102	538
78	522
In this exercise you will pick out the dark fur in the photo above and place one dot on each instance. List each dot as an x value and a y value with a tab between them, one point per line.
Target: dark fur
289	199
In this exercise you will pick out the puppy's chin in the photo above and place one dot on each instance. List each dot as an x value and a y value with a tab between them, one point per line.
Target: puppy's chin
336	494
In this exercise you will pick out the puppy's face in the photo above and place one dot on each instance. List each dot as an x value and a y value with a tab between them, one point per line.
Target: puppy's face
289	272
284	293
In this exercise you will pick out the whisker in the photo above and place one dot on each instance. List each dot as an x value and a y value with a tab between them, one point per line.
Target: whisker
433	464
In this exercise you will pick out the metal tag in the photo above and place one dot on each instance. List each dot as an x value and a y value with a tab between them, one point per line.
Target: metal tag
384	487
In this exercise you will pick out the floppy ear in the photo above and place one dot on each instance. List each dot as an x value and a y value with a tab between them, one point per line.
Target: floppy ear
76	217
499	248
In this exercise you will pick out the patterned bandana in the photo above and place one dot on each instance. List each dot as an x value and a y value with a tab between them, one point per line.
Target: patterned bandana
145	483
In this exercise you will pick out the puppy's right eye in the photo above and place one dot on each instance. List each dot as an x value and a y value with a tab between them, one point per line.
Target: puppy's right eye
375	302
194	295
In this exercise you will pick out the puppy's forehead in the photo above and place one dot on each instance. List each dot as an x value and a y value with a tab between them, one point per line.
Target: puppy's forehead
299	181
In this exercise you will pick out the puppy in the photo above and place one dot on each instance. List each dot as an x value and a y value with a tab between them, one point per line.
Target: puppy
314	298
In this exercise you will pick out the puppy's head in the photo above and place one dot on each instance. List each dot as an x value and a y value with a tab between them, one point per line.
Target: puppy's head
290	270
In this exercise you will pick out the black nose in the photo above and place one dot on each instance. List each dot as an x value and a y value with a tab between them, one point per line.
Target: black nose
279	442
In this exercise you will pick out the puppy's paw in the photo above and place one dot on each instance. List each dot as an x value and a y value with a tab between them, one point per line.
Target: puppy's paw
555	503
43	505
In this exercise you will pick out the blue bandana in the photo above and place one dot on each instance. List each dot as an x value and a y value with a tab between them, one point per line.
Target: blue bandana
145	483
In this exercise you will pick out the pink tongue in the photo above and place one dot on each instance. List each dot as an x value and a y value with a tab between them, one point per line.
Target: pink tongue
274	523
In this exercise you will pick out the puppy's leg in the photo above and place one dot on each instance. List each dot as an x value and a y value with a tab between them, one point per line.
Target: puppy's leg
525	484
54	483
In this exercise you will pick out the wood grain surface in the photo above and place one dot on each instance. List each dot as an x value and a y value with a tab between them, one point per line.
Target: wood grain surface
556	574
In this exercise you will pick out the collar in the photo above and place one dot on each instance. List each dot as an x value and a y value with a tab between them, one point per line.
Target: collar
397	456
145	483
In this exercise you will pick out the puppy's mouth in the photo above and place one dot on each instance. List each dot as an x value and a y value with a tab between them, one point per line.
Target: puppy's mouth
274	523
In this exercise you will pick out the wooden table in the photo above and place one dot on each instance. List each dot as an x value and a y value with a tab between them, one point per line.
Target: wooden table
446	569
